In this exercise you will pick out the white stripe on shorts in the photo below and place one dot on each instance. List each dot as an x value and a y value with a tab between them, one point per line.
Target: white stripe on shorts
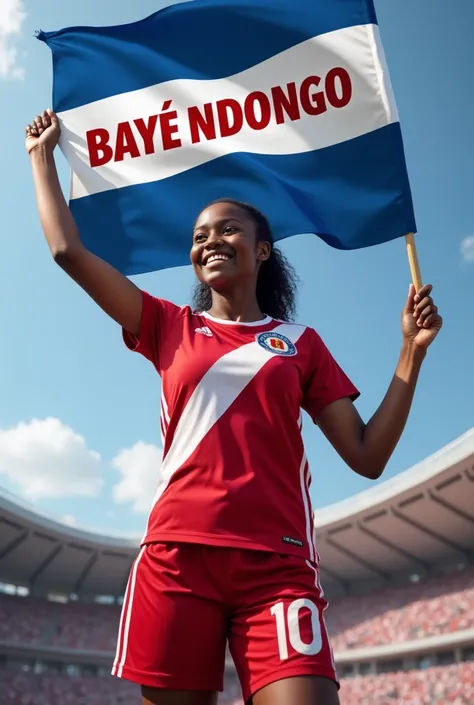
317	582
125	618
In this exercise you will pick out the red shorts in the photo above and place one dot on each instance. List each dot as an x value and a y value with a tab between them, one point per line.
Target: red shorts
184	601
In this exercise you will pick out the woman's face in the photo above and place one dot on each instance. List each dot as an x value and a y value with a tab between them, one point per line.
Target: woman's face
225	250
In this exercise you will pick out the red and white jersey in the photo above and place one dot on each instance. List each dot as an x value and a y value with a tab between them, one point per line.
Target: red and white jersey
234	470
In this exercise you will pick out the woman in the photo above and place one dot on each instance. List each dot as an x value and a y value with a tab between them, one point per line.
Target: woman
229	549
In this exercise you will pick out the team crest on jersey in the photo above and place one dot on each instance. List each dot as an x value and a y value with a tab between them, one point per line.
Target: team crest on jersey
276	343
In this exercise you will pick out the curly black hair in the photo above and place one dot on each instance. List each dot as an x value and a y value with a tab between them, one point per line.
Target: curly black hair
276	282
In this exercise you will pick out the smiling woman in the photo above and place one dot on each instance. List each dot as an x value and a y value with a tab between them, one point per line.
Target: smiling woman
242	237
229	552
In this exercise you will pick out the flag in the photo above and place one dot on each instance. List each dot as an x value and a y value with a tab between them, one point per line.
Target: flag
284	104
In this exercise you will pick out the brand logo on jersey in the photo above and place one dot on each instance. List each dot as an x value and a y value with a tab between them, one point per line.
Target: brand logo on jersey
204	331
276	343
290	539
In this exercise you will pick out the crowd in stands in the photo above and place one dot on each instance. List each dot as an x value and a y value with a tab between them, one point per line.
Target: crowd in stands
73	625
23	621
434	606
26	689
431	607
446	685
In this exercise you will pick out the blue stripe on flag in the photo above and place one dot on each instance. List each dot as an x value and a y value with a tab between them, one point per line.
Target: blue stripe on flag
332	190
202	39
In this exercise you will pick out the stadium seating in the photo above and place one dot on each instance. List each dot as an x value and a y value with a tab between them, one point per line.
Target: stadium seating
446	685
73	625
453	685
23	620
26	689
434	606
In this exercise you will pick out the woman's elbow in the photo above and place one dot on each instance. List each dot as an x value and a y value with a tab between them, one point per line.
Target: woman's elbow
376	472
64	255
369	470
60	254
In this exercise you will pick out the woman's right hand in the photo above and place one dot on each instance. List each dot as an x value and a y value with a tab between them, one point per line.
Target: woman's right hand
43	132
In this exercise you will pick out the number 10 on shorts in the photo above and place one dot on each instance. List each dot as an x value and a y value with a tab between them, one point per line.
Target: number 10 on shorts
288	628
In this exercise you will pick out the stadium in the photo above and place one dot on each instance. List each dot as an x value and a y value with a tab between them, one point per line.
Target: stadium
397	565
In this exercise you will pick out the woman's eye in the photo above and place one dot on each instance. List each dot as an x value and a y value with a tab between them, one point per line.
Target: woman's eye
229	229
199	237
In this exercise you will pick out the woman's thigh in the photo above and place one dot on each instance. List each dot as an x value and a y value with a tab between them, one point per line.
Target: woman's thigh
172	633
278	636
305	690
158	696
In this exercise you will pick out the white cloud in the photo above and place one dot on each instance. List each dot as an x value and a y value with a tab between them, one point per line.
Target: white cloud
12	16
467	249
139	467
47	459
68	519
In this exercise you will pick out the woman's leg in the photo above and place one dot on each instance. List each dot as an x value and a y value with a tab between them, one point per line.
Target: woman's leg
304	690
156	696
278	637
172	634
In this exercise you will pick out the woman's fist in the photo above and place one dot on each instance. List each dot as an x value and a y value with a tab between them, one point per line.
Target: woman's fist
421	321
43	132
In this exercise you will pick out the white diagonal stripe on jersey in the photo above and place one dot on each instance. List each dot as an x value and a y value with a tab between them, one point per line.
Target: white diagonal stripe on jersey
212	397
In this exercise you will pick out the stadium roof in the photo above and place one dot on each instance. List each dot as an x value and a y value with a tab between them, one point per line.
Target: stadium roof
422	518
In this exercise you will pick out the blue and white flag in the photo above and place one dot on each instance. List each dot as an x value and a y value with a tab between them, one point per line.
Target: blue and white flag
285	104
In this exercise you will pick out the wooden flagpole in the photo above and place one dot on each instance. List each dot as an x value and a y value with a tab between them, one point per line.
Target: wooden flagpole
413	260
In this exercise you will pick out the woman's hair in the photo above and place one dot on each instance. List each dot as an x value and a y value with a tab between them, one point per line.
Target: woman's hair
276	282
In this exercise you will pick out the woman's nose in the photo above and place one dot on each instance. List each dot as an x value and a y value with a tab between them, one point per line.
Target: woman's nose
214	238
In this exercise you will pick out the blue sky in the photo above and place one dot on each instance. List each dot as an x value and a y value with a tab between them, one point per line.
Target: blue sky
79	414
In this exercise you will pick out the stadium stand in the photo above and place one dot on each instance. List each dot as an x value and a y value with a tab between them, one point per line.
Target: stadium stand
429	608
398	570
434	606
453	685
433	686
53	689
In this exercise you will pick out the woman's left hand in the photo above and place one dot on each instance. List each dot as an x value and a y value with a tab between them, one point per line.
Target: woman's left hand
421	321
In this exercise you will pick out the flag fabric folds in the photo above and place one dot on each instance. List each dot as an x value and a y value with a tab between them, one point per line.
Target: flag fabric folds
285	104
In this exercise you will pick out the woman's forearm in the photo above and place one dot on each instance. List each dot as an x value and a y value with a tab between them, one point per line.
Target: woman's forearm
367	447
109	288
57	222
382	433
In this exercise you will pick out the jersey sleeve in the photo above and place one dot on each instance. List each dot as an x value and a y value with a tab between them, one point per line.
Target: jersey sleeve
326	382
158	318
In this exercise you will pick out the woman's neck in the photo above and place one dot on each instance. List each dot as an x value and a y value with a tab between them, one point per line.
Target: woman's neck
236	308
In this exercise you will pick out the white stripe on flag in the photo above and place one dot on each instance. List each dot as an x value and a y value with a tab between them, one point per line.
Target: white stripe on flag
357	50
